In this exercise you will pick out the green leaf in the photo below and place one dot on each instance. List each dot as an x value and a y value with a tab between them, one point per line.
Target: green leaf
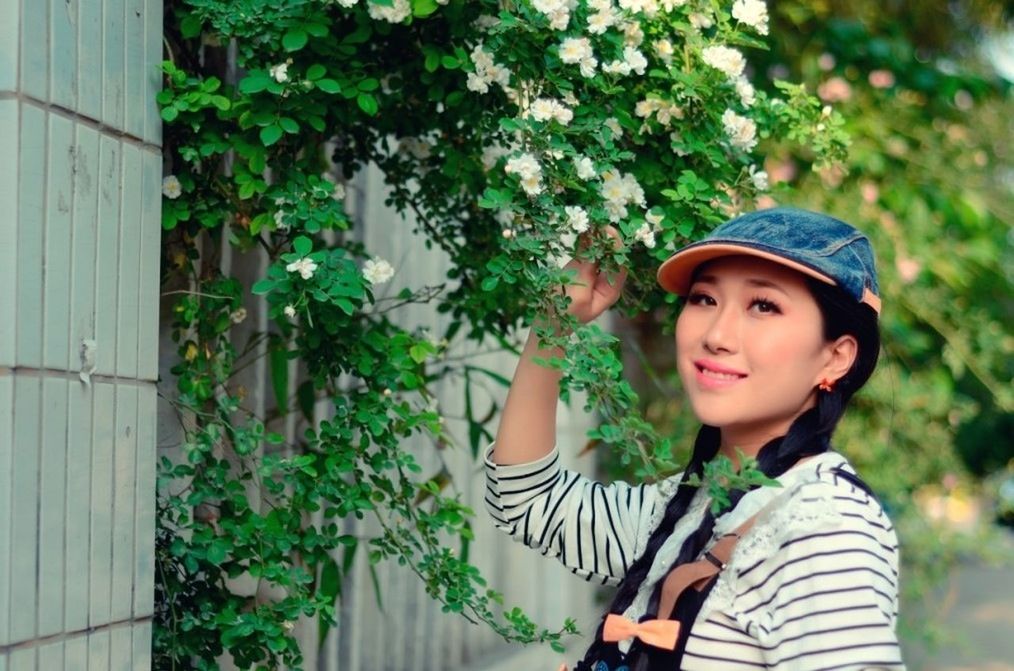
279	365
169	114
254	82
271	134
302	245
367	103
421	8
306	398
328	85
315	72
432	62
190	26
288	124
368	84
450	62
295	39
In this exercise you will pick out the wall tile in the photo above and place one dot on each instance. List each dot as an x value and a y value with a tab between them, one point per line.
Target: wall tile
76	653
9	25
79	474
129	263
31	212
153	75
35	50
9	127
144	508
22	660
24	502
121	646
150	257
51	656
101	532
90	53
56	275
98	651
82	259
142	646
63	52
137	77
108	249
6	488
52	506
113	67
124	474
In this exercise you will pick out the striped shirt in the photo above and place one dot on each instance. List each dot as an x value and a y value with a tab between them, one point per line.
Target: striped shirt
813	585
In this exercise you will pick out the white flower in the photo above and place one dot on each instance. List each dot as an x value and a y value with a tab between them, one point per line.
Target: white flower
575	49
652	218
601	21
632	34
649	7
588	66
585	168
645	108
280	72
759	178
485	22
600	5
700	21
289	311
614	127
577	218
753	13
742	132
171	187
237	316
507	234
486	72
280	223
419	149
669	5
304	266
339	192
396	13
745	90
730	61
620	190
347	3
544	109
646	235
377	270
635	59
527	168
616	68
666	113
664	50
558	12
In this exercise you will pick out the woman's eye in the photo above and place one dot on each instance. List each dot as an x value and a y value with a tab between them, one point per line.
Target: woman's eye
765	306
698	298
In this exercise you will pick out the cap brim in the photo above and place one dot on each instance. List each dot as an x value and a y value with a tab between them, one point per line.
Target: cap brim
675	273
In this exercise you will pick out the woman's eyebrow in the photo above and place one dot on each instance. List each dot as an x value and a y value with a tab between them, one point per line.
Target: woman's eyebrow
766	284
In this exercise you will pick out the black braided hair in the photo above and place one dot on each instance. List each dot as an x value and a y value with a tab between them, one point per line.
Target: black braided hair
809	434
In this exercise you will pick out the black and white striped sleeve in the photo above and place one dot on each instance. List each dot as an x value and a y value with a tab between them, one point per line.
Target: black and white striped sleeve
592	528
828	598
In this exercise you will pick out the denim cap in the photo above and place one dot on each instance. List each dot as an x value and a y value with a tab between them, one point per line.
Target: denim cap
815	244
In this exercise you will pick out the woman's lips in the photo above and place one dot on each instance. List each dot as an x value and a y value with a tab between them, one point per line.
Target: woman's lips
714	376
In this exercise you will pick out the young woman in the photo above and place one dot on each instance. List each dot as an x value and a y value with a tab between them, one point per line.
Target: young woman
778	331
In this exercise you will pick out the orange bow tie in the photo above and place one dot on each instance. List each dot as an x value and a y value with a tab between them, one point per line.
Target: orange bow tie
659	633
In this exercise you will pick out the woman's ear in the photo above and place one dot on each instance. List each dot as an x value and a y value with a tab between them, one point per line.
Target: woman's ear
841	354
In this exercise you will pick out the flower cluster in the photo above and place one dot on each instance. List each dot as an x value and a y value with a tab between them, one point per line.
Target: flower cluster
528	170
486	72
741	131
557	11
620	190
753	13
544	109
578	51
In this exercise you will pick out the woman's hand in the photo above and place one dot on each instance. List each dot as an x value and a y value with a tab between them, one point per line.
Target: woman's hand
592	291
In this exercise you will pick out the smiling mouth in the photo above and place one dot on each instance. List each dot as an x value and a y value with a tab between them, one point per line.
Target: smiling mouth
707	372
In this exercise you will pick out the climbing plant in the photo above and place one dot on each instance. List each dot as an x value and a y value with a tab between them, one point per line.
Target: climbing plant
505	129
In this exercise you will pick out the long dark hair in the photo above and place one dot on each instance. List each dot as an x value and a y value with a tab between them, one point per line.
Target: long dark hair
809	434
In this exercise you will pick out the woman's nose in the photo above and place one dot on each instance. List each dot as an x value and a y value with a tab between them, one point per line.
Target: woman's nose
722	332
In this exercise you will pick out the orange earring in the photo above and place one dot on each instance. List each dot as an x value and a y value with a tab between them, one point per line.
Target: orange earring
826	385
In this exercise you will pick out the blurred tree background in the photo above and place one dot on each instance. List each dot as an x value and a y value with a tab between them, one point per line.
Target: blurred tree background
929	178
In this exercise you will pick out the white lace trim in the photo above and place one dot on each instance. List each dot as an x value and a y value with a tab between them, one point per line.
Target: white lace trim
779	520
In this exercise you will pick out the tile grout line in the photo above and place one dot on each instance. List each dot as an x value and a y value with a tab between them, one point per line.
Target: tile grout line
83	119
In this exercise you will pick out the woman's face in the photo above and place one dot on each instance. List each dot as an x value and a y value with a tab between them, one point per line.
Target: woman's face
750	349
